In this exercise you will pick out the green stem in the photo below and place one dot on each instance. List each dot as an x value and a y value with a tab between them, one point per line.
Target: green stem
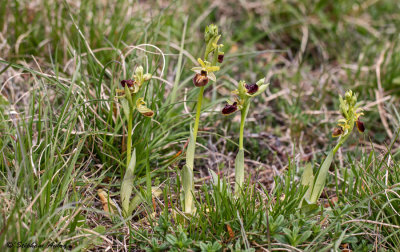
198	112
337	147
239	161
244	112
129	141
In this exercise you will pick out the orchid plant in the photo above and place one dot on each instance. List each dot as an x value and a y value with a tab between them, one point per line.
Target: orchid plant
349	109
130	101
242	100
203	74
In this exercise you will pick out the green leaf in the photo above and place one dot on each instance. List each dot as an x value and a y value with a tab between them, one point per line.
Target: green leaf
214	177
287	232
188	187
190	151
127	184
125	108
96	240
320	181
304	236
138	199
171	239
307	179
79	221
339	241
100	229
220	184
187	176
239	171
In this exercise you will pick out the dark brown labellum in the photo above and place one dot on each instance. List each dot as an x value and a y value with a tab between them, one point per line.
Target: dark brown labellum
130	83
360	126
200	80
229	109
337	131
220	58
149	114
251	88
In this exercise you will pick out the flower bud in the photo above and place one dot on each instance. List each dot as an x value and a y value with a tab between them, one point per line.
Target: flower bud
251	88
139	71
201	79
129	83
147	76
229	108
360	126
211	31
348	96
337	131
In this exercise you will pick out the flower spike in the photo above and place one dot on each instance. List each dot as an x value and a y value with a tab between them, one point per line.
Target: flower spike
129	102
210	32
348	109
203	73
244	94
